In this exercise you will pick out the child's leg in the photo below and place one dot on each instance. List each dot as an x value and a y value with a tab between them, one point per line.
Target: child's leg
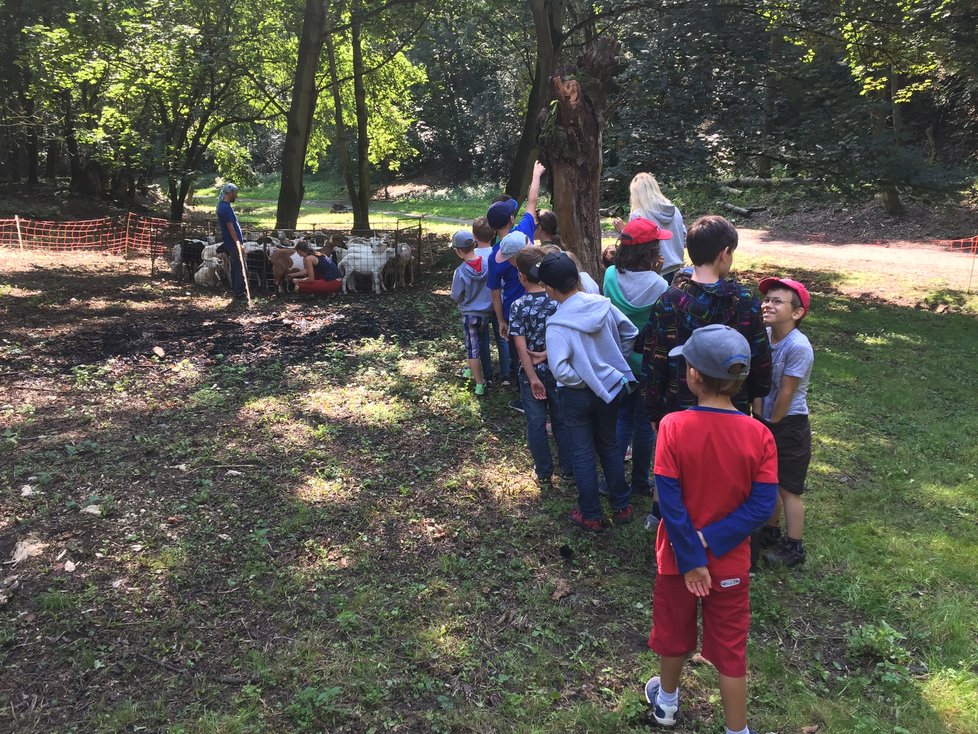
643	446
625	423
726	622
670	671
794	513
502	348
485	354
472	325
775	521
557	423
576	406
733	691
604	418
536	429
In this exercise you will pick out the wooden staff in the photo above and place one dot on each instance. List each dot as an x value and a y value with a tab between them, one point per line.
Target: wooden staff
19	238
244	270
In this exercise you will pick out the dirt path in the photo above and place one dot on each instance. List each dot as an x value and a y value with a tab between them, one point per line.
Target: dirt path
870	265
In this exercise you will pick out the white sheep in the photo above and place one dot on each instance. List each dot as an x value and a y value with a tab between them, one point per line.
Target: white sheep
366	262
401	267
209	273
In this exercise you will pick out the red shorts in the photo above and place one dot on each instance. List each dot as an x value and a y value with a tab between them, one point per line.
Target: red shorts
726	620
318	286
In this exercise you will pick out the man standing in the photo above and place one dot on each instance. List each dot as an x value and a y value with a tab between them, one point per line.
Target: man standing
231	235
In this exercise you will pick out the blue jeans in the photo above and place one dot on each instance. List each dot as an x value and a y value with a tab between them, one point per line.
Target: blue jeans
536	427
237	276
502	347
589	424
634	426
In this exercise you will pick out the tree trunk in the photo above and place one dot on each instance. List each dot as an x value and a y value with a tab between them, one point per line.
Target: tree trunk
548	21
342	145
71	144
176	200
891	198
361	201
570	147
301	110
770	95
52	160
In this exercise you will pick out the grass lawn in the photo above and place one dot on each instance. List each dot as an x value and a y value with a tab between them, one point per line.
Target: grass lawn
307	523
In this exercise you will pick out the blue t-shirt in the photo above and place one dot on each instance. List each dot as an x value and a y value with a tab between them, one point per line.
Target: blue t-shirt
225	214
792	356
504	276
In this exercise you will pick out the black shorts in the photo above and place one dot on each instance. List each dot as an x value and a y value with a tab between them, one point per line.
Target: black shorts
793	437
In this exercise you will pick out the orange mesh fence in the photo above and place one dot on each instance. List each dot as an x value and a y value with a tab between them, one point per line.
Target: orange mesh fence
969	245
122	235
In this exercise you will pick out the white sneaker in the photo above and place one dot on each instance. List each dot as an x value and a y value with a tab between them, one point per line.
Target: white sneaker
663	715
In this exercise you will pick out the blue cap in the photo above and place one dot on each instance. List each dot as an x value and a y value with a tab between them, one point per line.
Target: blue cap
501	212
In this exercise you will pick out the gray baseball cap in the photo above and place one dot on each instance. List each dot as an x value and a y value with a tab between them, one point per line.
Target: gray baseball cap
512	243
462	238
714	349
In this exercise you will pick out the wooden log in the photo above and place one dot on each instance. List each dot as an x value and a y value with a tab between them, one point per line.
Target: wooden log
730	190
735	209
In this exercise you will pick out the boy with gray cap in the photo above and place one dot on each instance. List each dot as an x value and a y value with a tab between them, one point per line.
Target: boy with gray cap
469	291
588	342
716	470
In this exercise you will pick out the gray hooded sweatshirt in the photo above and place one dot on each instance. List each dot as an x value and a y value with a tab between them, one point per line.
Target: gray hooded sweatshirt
470	288
671	219
588	342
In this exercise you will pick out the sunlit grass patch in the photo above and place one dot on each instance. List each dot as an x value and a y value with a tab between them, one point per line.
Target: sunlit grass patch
953	694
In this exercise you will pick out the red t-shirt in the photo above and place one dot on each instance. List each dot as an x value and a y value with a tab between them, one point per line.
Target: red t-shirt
716	456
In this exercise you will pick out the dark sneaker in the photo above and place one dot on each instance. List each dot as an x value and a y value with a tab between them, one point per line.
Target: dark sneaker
544	482
624	516
577	518
516	405
769	537
786	555
663	715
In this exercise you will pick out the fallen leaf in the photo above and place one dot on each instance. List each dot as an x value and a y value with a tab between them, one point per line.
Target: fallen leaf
561	590
174	519
158	351
69	566
26	490
809	729
29	546
92	510
234	473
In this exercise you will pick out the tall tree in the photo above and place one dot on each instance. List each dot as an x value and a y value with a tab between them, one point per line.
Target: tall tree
305	95
571	144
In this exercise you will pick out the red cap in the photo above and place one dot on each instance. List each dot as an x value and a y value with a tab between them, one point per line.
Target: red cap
792	285
639	231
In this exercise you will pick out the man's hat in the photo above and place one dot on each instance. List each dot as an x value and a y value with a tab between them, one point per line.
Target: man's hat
792	285
556	270
714	349
500	213
462	238
640	230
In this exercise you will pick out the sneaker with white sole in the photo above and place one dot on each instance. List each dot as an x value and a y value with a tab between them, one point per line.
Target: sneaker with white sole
663	715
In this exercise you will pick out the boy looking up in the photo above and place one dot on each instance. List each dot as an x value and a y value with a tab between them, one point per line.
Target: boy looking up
785	412
470	293
538	389
588	342
716	473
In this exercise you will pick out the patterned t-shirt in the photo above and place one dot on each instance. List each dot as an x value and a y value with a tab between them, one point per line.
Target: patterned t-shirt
528	318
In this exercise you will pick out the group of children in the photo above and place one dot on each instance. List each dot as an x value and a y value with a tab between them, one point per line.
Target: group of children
700	368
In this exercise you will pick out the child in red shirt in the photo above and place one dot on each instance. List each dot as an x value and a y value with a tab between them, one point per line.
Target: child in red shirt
716	472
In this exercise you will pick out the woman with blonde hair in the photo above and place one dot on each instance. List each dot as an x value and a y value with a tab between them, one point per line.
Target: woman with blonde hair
648	201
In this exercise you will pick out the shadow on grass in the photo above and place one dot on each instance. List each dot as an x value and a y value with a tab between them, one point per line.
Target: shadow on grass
321	530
